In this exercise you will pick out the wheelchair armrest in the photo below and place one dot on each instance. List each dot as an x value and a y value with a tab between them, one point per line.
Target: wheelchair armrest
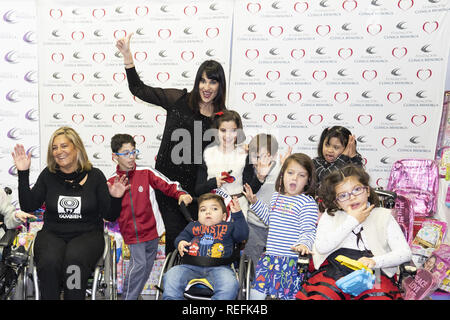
303	262
8	237
385	193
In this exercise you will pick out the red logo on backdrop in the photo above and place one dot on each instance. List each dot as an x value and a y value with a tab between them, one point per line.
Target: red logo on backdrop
270	118
273	75
57	97
249	97
252	54
294	97
394	97
418	119
315	119
98	138
319	75
119	77
187	55
399	52
253	7
405	4
98	13
98	97
162	76
77	35
160	118
430	26
381	182
141	11
369	75
301	7
98	57
164	34
364	119
297	54
291	140
57	57
190	10
374	29
119	34
139	138
388	142
341	97
118	118
140	56
77	77
77	118
56	13
276	31
424	74
212	32
323	30
349	5
345	53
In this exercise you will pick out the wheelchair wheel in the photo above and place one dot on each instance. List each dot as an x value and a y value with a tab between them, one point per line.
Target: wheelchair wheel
245	276
159	287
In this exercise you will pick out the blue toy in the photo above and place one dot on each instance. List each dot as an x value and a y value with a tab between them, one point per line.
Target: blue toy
356	282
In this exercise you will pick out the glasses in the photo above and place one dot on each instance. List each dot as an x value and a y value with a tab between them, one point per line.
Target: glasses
344	196
128	154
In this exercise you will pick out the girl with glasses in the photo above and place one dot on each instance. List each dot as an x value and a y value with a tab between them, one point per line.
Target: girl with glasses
352	226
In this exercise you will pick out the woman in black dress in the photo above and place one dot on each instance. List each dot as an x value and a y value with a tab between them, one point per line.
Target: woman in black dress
189	115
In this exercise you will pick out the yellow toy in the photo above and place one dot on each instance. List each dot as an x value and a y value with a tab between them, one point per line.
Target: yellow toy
351	263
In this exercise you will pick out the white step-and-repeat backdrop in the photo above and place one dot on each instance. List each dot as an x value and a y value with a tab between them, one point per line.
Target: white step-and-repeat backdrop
293	68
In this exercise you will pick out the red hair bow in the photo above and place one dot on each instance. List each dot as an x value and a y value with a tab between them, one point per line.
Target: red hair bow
219	113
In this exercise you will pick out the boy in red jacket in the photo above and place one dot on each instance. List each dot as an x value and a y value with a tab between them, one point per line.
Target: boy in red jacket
140	220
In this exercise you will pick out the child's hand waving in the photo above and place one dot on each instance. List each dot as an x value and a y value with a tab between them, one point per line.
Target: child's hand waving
248	193
234	205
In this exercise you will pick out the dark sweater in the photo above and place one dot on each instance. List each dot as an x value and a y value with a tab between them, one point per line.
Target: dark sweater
188	144
69	212
323	168
215	241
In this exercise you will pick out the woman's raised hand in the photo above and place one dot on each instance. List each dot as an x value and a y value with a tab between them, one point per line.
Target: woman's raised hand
123	45
22	160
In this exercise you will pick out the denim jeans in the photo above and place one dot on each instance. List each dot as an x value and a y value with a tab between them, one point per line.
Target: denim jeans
222	278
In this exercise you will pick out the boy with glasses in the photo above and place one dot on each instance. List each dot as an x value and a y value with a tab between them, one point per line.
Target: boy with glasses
140	219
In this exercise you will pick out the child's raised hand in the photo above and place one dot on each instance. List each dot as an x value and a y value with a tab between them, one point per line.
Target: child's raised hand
182	247
361	213
186	198
234	205
248	193
263	166
119	186
284	156
301	248
350	149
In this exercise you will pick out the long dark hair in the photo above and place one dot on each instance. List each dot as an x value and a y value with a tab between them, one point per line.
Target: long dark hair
327	189
306	162
339	132
214	71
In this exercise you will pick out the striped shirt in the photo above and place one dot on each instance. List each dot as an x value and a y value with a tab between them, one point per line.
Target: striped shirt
292	221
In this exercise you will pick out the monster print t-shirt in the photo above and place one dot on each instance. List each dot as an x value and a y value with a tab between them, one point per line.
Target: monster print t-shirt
215	241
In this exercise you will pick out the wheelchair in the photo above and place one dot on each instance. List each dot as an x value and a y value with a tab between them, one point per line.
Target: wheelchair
13	267
240	263
103	280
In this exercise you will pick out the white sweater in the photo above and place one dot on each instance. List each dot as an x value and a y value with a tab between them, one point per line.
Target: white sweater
381	234
216	162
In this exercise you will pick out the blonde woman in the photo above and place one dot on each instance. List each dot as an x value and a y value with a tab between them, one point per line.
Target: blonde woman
76	199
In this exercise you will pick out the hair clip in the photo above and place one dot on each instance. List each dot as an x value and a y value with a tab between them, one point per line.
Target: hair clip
219	113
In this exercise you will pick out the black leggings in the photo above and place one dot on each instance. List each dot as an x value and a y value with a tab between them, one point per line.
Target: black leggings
174	221
66	263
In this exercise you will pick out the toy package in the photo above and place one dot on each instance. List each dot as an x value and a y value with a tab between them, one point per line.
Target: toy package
430	277
428	239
